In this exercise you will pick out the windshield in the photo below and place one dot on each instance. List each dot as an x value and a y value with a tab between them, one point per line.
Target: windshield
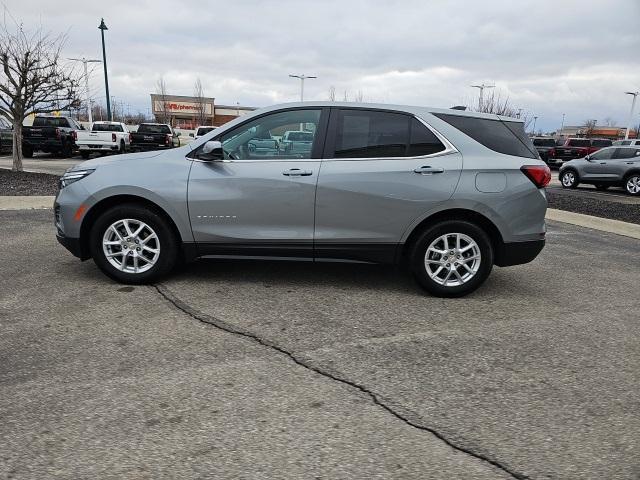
152	128
106	127
544	142
204	130
575	142
601	143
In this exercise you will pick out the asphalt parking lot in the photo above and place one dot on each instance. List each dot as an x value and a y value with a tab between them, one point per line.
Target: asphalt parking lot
295	370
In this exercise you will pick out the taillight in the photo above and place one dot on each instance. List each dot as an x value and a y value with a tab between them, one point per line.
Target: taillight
57	133
540	175
113	137
168	140
552	152
74	134
129	138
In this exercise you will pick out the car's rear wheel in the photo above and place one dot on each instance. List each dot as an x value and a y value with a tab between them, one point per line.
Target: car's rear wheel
632	184
133	244
452	258
569	179
122	147
27	151
85	155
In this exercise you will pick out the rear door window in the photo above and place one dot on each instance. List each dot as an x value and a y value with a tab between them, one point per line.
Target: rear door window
423	140
626	153
371	134
500	136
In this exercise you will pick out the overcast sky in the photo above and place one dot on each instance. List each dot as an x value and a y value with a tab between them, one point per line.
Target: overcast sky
548	57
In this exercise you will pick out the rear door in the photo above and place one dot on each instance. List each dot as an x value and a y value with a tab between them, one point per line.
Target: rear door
381	171
259	200
624	159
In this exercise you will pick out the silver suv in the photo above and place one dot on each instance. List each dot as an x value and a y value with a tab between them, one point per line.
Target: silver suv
608	167
447	193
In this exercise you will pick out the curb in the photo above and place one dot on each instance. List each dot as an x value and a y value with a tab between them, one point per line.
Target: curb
596	223
30	202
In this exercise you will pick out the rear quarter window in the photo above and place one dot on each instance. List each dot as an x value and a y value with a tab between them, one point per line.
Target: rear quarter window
497	135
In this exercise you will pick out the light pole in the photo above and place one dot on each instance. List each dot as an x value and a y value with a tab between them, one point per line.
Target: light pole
562	124
533	130
302	79
102	27
86	82
633	106
481	88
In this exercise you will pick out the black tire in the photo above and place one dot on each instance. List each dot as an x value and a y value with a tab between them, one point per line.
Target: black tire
122	148
418	254
67	151
630	178
566	179
27	151
85	155
167	240
602	188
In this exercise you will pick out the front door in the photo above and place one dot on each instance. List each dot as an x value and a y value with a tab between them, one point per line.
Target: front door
598	166
383	171
259	200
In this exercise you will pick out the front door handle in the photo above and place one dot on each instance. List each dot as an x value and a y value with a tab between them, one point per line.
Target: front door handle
296	172
427	170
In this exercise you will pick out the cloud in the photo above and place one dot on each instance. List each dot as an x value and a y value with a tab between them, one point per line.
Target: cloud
549	57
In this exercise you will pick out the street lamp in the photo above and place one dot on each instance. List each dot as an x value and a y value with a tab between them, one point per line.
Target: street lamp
562	124
633	106
302	79
102	27
481	88
86	81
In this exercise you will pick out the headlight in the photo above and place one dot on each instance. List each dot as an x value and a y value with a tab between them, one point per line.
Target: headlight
69	177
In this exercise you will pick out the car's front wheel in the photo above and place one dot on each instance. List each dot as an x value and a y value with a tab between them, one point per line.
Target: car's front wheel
133	244
569	179
452	258
632	184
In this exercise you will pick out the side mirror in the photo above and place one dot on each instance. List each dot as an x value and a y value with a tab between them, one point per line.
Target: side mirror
211	151
191	134
588	158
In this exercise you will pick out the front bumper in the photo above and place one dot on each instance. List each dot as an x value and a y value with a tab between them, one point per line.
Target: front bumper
71	244
517	253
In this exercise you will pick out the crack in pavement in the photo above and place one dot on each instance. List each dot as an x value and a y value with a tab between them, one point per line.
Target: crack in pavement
226	327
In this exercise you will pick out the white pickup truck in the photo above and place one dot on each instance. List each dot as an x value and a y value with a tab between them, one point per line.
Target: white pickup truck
104	137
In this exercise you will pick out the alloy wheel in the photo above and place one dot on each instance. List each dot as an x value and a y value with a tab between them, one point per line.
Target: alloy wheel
633	185
568	179
131	246
452	259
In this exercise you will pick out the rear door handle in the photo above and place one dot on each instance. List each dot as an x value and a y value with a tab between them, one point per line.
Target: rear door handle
427	170
296	172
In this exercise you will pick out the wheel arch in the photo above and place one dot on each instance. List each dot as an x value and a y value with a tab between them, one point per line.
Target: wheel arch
497	241
103	205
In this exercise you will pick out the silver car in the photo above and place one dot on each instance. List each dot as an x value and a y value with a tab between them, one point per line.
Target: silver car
447	193
611	166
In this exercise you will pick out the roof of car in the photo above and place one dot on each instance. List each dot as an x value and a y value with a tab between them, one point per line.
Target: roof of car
386	106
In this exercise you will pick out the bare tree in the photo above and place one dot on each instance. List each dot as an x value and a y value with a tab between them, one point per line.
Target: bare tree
201	103
33	78
163	107
589	127
494	102
609	122
332	93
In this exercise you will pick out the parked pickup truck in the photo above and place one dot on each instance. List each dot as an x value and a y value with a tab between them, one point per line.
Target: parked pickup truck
297	143
578	148
154	136
544	145
50	134
6	136
104	137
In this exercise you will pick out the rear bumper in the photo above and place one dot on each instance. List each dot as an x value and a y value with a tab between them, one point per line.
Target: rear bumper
517	253
97	147
149	147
